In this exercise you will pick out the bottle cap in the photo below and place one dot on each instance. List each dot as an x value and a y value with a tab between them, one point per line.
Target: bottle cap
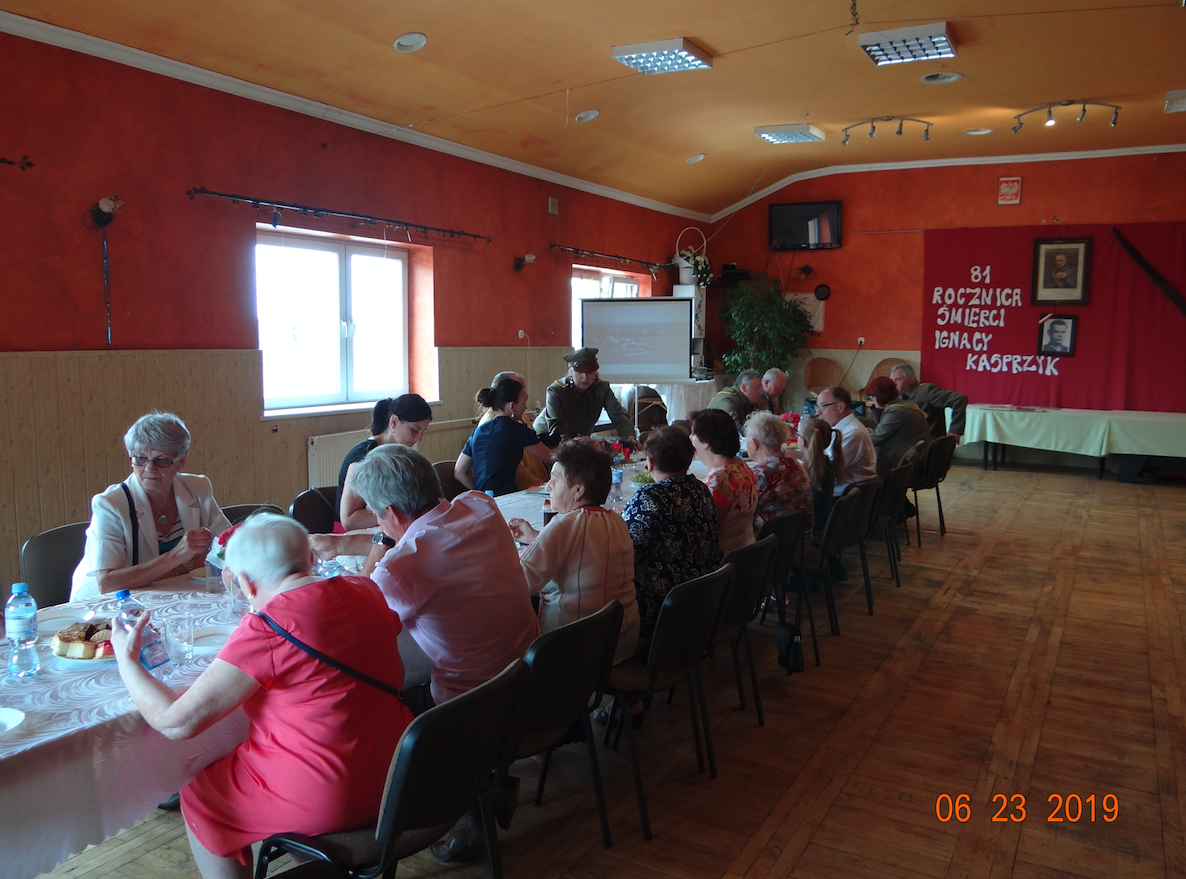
20	588
122	594
547	502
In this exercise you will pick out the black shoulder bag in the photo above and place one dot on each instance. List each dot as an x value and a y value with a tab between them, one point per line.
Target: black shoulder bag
135	524
317	654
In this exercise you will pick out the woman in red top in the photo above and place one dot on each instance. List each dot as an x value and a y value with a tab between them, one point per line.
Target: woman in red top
320	741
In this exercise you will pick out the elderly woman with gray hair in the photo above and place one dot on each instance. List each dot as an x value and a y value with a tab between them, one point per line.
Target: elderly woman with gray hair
783	484
157	523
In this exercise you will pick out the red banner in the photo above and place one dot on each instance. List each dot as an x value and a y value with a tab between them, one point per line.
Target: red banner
1123	348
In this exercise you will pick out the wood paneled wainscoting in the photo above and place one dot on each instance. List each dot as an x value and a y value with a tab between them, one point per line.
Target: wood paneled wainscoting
63	416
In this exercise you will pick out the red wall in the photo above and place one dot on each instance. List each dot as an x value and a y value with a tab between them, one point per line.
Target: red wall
877	274
182	270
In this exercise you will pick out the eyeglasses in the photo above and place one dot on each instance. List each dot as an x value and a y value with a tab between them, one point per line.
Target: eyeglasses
826	405
158	463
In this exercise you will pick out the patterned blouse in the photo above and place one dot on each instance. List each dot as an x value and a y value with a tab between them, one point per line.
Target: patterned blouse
783	487
735	495
677	537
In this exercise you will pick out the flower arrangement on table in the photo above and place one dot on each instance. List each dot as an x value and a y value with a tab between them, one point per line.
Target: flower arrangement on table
621	453
699	264
792	421
218	551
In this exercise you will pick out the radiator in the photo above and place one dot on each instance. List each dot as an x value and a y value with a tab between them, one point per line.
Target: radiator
326	453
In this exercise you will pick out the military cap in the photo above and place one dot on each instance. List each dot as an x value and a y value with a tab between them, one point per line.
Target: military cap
583	359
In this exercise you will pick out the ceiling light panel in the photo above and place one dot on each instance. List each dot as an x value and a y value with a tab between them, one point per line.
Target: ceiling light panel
798	133
664	56
925	42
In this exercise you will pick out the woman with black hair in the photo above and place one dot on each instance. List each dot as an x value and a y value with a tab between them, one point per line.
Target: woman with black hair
403	420
491	456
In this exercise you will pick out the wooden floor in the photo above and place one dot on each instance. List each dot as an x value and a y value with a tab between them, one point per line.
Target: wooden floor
1036	650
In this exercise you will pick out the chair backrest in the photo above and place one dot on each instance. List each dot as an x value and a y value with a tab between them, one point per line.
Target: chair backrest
688	620
445	756
236	513
569	669
788	529
914	456
864	512
893	489
820	373
450	485
843	507
312	510
937	462
48	561
330	493
883	368
751	580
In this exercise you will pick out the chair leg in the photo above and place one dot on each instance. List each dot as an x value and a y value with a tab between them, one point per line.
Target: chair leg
692	706
595	770
801	598
609	727
917	518
891	539
492	853
942	524
737	669
753	674
830	601
638	791
543	776
712	758
865	571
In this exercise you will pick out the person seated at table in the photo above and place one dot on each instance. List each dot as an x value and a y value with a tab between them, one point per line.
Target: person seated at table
734	491
583	559
320	740
157	523
783	485
673	525
404	420
531	470
901	427
744	397
834	405
575	402
816	437
933	400
492	454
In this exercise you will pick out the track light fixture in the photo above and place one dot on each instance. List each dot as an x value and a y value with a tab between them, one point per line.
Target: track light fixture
1049	108
872	123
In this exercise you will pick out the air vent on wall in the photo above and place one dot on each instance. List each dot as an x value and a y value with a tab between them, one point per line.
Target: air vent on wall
1175	101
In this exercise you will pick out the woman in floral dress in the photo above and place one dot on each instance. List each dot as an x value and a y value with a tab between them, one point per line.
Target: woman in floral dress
783	484
734	491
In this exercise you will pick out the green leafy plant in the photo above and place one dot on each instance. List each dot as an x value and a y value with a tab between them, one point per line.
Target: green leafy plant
765	329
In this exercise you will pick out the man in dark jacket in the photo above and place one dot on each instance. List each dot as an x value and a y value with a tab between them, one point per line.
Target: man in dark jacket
932	400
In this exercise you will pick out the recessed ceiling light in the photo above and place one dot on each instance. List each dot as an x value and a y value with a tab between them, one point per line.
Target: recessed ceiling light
977	132
922	43
943	76
692	160
410	42
663	56
587	115
799	133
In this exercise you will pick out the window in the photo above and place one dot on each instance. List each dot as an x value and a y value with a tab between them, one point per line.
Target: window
333	320
592	283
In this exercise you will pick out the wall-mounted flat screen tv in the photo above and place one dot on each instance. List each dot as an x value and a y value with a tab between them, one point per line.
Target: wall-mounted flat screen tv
809	225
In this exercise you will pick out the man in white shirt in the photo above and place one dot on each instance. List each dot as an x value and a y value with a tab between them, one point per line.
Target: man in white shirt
834	406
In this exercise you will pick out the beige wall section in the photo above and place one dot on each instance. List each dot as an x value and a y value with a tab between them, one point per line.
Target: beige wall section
63	416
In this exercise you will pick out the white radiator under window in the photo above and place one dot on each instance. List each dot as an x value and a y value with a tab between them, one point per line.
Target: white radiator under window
326	453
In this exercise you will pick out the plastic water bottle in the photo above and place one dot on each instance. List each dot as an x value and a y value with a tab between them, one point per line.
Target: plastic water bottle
20	627
548	513
153	655
616	486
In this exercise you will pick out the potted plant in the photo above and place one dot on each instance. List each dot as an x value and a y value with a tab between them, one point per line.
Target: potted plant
701	271
766	329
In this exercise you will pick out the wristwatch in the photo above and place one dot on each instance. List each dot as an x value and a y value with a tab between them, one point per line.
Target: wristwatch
381	539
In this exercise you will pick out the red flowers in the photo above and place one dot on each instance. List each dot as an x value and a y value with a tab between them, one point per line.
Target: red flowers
623	450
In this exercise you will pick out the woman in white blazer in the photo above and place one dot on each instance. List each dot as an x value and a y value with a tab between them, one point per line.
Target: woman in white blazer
157	523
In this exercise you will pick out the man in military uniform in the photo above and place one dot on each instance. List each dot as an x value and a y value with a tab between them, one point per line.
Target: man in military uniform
575	402
743	398
932	400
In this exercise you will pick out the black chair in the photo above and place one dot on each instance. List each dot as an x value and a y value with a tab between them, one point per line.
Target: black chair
445	760
751	585
569	670
450	485
683	633
931	472
314	511
815	559
236	513
48	561
789	530
863	525
893	500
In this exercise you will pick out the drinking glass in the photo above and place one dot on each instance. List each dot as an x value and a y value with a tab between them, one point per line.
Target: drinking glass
179	638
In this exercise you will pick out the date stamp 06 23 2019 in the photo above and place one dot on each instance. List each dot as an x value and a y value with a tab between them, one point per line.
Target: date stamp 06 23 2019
1070	808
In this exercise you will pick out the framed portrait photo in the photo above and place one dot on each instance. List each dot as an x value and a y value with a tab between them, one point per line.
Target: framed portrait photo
1057	334
1062	271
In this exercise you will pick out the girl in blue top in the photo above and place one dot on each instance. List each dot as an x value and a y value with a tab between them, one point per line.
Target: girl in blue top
492	454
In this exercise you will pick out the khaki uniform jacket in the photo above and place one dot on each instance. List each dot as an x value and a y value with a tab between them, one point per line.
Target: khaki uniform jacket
901	426
731	401
569	413
932	400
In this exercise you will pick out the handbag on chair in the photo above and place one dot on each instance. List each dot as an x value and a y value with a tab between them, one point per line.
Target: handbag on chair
789	642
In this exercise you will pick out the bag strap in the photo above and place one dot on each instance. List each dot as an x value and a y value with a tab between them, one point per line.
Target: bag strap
317	654
135	524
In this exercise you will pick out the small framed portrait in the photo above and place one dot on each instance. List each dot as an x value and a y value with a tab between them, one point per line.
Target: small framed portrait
1057	334
1062	271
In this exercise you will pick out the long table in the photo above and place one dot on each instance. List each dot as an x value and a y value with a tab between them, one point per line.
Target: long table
83	764
1096	433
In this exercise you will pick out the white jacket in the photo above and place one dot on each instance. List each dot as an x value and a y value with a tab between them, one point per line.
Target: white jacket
109	537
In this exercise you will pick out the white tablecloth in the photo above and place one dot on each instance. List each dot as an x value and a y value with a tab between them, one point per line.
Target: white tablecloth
83	764
1081	431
